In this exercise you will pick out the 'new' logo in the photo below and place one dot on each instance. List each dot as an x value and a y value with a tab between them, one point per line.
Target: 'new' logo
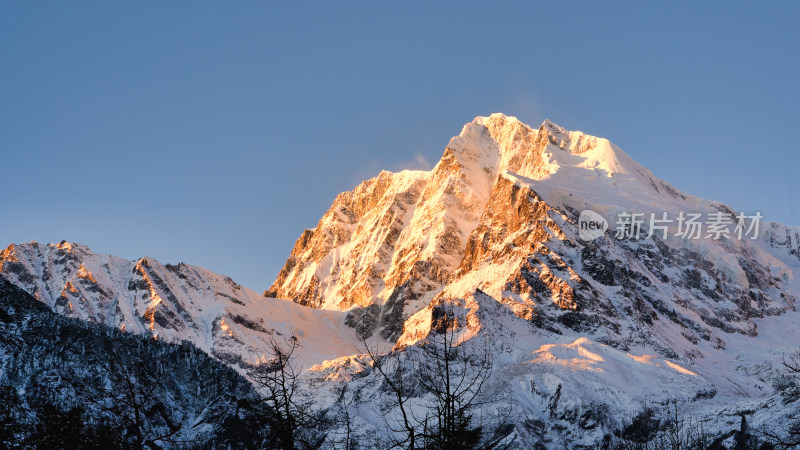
591	225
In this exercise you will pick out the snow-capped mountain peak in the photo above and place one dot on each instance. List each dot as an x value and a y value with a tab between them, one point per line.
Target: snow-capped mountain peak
490	240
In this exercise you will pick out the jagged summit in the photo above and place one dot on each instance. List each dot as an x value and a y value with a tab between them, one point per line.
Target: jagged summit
571	161
415	225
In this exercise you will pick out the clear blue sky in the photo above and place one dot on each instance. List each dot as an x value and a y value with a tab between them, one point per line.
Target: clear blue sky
213	133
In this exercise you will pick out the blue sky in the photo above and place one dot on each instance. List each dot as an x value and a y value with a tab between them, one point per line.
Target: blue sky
213	134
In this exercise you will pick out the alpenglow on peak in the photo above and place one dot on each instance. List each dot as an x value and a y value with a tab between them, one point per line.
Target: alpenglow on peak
401	237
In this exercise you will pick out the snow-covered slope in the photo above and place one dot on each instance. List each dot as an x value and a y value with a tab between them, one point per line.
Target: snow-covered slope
171	302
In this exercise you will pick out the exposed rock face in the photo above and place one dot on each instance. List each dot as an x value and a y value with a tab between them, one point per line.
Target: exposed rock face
409	231
498	212
353	243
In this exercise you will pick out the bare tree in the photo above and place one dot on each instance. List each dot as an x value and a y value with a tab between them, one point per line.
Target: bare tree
455	377
789	435
683	431
134	396
395	380
346	442
444	369
290	422
669	427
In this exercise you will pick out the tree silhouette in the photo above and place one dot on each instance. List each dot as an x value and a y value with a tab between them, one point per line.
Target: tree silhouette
290	424
449	374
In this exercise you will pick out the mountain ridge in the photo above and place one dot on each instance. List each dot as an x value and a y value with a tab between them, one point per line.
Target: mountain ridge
172	302
492	234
